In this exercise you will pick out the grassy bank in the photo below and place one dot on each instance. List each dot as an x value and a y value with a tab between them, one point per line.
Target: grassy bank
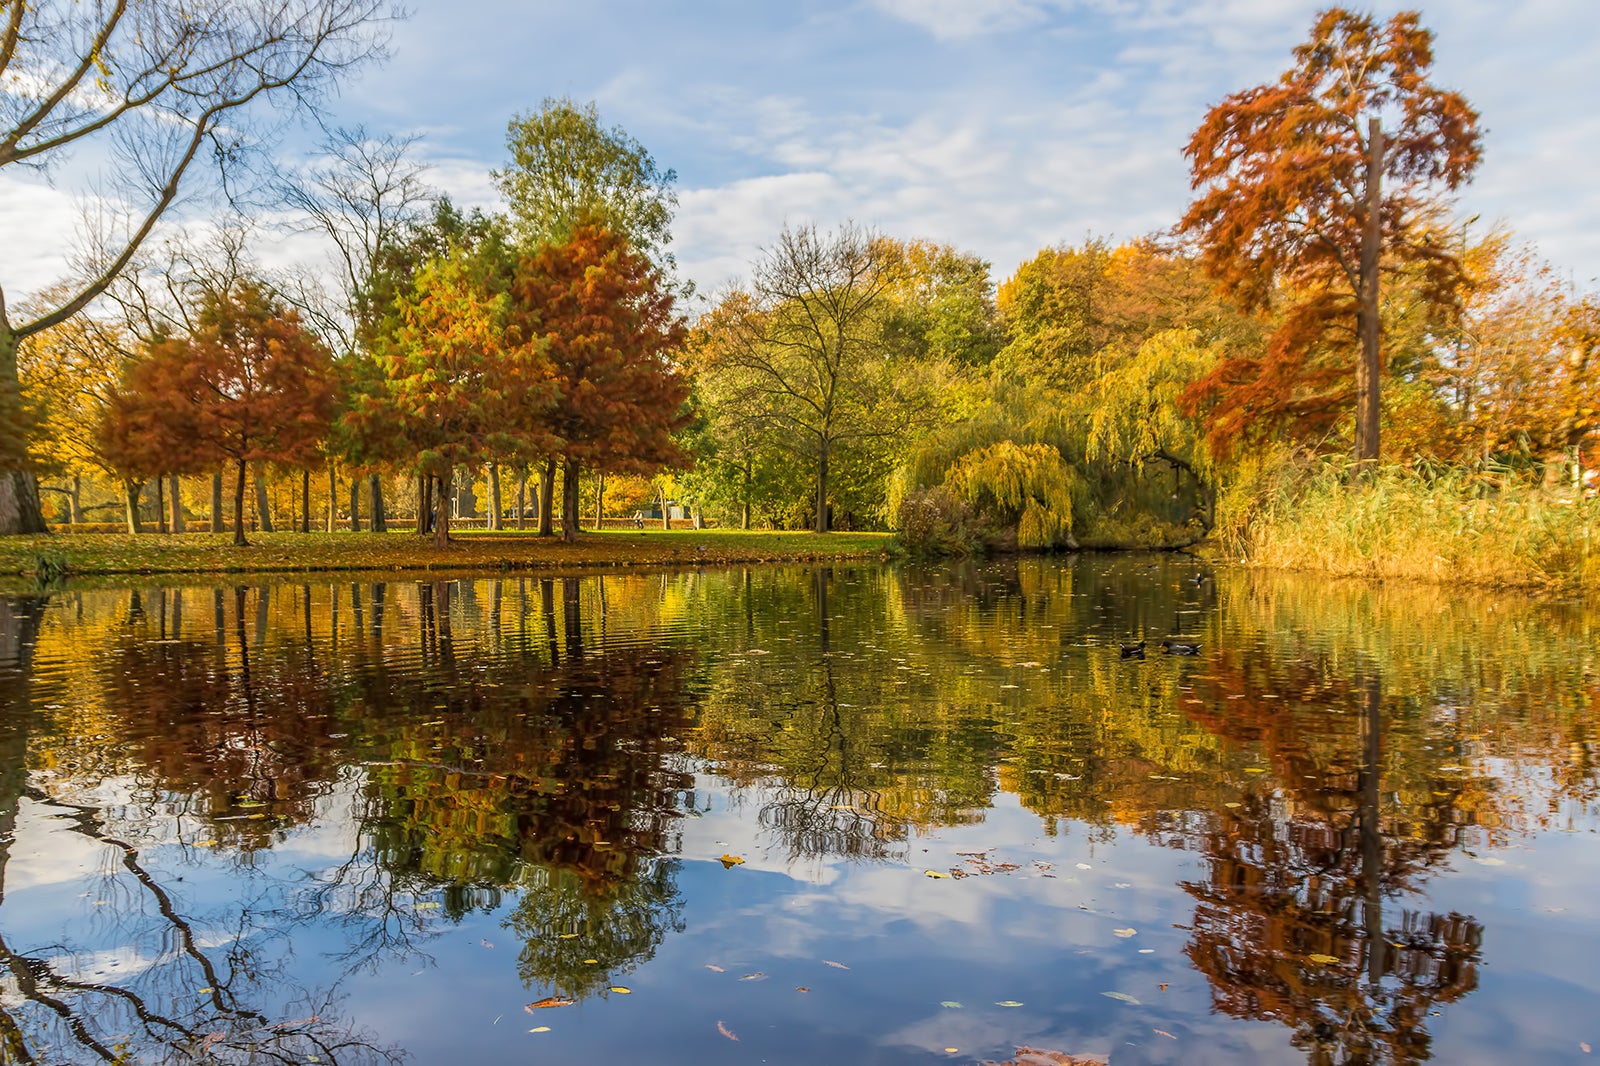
205	553
1456	529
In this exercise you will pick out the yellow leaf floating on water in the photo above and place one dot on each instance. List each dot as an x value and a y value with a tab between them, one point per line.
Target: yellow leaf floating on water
757	976
567	936
950	1003
934	873
1121	997
621	990
1007	1003
715	969
203	992
729	1033
540	1029
1323	960
1254	770
730	861
835	965
1125	933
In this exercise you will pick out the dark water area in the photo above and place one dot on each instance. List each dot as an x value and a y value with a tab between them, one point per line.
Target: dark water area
831	815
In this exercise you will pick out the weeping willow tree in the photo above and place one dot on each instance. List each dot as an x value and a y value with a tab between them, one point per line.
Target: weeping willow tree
1007	477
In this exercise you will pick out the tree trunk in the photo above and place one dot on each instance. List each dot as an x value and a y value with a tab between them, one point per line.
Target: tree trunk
305	500
130	503
75	501
821	523
666	511
263	504
424	502
569	500
494	496
522	497
219	523
238	506
380	523
19	503
1369	369
175	502
699	518
744	507
599	502
333	497
441	510
547	502
355	505
161	505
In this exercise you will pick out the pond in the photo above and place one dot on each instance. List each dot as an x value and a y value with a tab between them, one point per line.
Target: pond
787	815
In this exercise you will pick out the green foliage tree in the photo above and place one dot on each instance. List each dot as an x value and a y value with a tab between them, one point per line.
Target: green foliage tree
567	169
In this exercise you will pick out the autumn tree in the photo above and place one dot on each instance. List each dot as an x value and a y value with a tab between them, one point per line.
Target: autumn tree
251	384
456	384
157	85
1305	198
605	320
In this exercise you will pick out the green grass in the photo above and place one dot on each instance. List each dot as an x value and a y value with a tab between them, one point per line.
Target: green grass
70	554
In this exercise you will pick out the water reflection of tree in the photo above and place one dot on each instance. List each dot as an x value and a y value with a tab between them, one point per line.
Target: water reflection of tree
830	723
553	768
193	1001
1290	921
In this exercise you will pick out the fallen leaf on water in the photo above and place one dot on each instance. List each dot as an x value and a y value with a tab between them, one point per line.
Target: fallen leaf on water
1254	770
1007	1003
757	976
203	992
622	990
934	873
730	861
951	1050
1163	988
540	1029
591	962
801	988
485	943
1147	951
952	1004
429	906
725	1031
715	969
1585	1048
1323	960
1121	997
1163	1032
1083	866
842	807
1125	933
1233	805
567	936
548	1001
835	965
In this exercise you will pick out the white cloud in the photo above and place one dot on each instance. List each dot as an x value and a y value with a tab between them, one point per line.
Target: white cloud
957	19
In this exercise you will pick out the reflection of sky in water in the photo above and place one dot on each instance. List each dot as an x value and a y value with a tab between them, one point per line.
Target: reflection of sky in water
1085	776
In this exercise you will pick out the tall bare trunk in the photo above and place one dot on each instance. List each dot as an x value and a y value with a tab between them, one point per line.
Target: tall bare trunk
355	505
441	510
263	503
547	503
161	505
219	523
130	504
333	497
599	502
175	503
380	522
238	505
569	500
305	500
1368	370
75	512
522	497
424	502
821	523
494	496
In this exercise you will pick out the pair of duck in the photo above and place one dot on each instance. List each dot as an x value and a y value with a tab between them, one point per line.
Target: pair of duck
1169	646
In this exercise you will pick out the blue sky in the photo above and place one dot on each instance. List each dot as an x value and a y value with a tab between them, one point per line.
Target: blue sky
999	126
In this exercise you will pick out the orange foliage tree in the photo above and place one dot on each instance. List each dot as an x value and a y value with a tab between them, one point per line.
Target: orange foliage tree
1304	198
609	329
250	384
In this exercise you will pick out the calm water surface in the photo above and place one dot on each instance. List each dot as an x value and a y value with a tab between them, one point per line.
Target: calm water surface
842	815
